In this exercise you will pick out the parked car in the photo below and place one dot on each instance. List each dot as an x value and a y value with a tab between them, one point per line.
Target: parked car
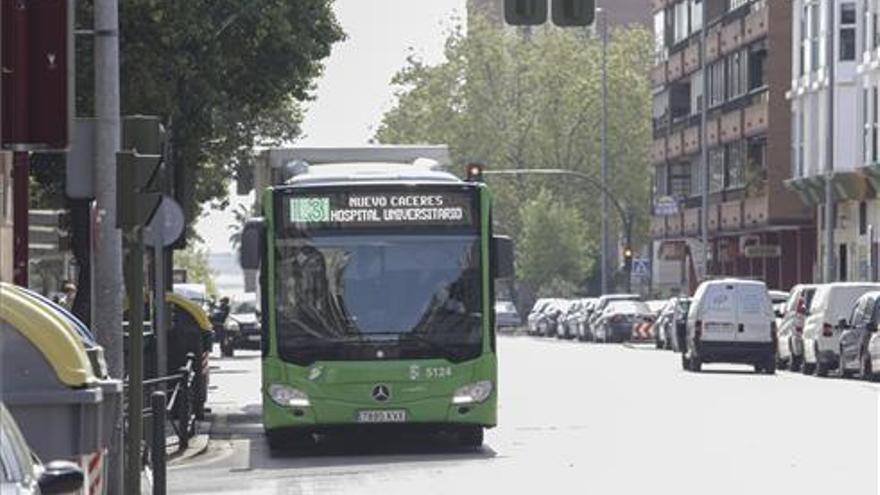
616	322
22	473
831	304
678	324
582	318
556	313
790	330
536	316
662	324
570	323
599	308
243	322
853	356
871	357
731	321
506	316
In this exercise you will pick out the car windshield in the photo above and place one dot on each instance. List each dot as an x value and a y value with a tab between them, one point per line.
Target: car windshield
360	288
244	307
627	307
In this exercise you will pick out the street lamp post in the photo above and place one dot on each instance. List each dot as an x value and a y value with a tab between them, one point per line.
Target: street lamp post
604	256
622	210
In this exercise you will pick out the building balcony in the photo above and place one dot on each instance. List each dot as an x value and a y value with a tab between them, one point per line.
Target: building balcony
731	126
692	140
756	119
674	67
658	151
674	146
714	218
731	215
673	225
757	24
658	226
658	74
713	45
712	128
692	221
691	58
731	37
756	211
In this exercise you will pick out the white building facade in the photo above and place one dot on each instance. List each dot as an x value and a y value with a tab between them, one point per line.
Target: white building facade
852	128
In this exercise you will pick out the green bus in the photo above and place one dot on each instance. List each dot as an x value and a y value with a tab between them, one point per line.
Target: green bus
377	291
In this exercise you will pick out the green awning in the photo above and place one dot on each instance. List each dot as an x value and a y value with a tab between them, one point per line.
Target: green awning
844	186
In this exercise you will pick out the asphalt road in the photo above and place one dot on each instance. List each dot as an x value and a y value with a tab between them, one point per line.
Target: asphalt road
576	418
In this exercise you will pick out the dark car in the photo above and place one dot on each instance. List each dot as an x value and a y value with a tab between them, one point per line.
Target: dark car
618	320
506	316
857	333
244	324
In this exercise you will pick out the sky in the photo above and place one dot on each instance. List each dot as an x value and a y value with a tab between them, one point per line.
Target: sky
355	89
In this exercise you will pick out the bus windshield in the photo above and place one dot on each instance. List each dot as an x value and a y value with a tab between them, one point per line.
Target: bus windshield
416	294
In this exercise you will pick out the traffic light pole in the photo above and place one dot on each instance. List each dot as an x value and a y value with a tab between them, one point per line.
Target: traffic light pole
134	275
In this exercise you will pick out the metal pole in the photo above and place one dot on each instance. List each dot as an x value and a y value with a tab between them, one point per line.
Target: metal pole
829	142
157	451
604	250
135	284
160	323
704	145
20	200
107	282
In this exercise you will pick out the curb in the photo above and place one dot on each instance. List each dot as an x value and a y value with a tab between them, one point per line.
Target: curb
198	445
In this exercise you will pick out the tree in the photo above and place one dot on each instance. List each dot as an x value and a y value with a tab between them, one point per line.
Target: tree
512	102
225	76
194	259
241	214
553	247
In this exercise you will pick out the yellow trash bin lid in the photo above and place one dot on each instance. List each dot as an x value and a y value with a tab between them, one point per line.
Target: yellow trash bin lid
198	314
49	333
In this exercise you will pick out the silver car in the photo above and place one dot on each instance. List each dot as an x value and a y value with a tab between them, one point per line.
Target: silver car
21	473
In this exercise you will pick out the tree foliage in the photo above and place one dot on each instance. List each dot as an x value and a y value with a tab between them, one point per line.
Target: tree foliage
194	259
225	76
516	102
553	245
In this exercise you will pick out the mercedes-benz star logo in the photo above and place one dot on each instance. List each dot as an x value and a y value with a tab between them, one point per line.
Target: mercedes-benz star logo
381	393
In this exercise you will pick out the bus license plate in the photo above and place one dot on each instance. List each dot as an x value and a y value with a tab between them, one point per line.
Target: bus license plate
383	416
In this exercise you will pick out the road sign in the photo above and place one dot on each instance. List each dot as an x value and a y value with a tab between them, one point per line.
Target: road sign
641	266
762	251
37	72
167	224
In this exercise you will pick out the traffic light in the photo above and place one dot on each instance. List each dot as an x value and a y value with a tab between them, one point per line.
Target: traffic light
525	12
627	259
137	194
568	13
138	177
474	172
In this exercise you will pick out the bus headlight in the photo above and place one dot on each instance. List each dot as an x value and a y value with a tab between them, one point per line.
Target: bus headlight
286	396
473	393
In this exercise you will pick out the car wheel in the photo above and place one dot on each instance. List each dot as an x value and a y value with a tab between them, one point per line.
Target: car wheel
780	363
867	372
770	368
471	436
684	362
844	373
807	368
696	364
821	369
794	362
759	368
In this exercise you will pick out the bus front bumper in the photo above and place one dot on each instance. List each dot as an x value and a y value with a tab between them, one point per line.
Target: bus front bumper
332	415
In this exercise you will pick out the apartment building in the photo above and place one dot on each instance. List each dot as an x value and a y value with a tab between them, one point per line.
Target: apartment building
851	130
756	226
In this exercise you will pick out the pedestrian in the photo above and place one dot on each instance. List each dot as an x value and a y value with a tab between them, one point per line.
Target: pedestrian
69	295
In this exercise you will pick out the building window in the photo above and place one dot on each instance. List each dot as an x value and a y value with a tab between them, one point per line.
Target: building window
863	218
680	180
660	188
696	176
737	74
696	15
757	69
735	4
680	28
716	83
660	51
875	116
866	126
848	32
814	34
805	39
734	173
716	169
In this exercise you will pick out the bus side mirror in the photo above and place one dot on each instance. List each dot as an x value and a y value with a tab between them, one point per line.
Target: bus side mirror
253	243
502	257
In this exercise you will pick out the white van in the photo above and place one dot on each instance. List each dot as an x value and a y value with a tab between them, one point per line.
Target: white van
731	321
831	303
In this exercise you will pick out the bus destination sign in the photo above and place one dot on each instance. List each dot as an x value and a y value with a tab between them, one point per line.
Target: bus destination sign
335	210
